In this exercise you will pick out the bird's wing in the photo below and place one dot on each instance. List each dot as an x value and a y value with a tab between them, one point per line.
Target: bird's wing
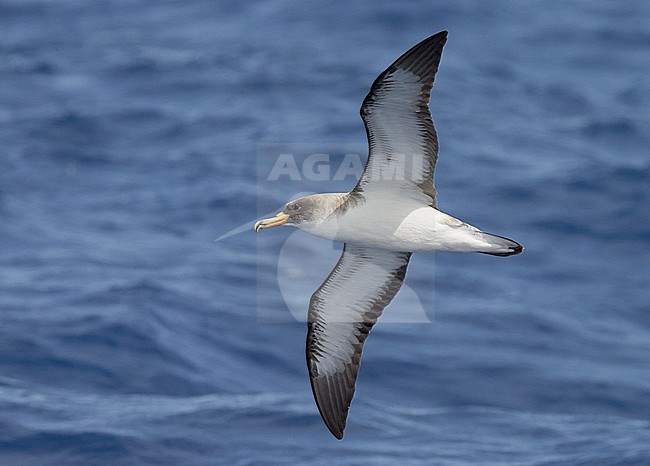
401	137
341	313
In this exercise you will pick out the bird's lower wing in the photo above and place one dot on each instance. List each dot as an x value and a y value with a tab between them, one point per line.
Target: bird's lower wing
341	314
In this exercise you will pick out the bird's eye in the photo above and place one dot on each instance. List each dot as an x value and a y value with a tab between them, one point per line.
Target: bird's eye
295	207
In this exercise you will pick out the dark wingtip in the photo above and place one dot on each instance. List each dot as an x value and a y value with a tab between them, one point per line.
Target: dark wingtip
332	415
439	38
438	35
337	434
335	427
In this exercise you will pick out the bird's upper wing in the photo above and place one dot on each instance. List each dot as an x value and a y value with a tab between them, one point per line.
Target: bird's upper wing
341	313
401	137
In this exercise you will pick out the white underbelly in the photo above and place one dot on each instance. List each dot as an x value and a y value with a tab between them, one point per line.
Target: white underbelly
419	229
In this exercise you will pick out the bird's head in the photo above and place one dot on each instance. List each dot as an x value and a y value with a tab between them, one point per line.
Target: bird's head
296	213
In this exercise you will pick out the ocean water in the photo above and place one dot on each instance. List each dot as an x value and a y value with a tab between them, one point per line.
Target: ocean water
133	134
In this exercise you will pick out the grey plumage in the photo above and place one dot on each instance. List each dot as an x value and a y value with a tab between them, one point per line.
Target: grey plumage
388	99
398	122
391	212
340	320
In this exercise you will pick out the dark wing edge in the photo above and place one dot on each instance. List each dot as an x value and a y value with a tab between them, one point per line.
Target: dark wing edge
333	389
423	60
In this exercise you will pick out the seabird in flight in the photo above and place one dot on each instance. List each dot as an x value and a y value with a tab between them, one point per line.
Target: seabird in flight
391	213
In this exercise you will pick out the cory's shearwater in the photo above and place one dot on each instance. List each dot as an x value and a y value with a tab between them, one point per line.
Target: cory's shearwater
391	213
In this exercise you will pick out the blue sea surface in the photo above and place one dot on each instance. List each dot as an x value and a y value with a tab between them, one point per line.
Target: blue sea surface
132	133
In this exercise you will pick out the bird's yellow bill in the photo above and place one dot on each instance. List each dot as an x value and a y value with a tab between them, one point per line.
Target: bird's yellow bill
276	221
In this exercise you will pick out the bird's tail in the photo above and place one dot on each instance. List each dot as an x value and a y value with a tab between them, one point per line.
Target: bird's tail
500	246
